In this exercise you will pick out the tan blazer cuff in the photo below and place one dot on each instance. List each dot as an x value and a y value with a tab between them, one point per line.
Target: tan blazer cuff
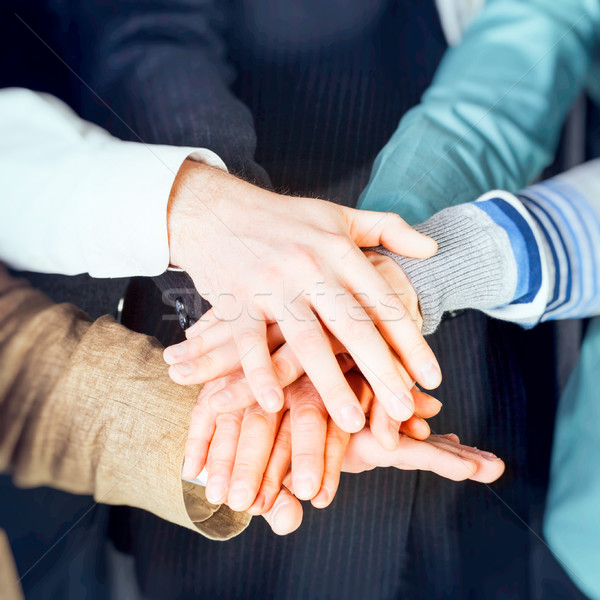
89	408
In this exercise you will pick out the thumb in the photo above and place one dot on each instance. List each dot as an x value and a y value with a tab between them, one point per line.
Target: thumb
285	515
369	228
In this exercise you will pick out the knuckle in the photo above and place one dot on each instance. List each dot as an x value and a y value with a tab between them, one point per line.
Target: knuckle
307	262
469	470
246	468
335	437
339	391
228	422
218	466
340	242
310	340
262	374
393	219
207	363
270	483
307	416
304	458
360	327
392	380
305	391
195	344
197	413
283	441
396	309
247	336
420	348
307	256
256	420
272	273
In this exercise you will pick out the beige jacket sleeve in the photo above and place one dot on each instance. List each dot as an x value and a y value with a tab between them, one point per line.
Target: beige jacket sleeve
88	408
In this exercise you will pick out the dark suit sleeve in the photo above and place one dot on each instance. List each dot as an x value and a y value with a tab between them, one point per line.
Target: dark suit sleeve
161	67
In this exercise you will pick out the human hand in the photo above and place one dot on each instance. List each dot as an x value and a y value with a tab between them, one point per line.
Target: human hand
310	246
442	454
248	459
234	393
210	352
308	426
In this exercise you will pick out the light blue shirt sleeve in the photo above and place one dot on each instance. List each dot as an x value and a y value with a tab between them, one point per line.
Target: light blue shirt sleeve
493	114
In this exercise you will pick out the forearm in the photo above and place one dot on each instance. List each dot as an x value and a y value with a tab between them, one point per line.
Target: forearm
492	117
88	408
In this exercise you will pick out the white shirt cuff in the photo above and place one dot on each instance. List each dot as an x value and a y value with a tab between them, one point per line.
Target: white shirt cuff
136	180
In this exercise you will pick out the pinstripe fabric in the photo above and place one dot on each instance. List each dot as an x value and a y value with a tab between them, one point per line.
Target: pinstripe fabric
322	116
463	534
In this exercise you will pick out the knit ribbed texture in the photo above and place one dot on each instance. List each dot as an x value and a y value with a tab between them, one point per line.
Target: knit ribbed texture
474	266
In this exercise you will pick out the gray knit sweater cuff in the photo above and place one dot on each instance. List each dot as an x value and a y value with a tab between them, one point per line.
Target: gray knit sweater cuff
474	267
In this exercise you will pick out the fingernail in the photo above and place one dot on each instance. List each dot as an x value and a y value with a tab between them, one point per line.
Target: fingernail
238	498
430	375
177	349
304	487
351	418
184	368
402	406
270	400
216	491
487	455
277	523
321	500
258	505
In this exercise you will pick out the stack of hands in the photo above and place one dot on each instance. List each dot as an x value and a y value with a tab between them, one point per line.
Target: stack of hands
311	354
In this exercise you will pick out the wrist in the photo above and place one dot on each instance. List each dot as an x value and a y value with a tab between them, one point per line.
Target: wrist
187	207
204	207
